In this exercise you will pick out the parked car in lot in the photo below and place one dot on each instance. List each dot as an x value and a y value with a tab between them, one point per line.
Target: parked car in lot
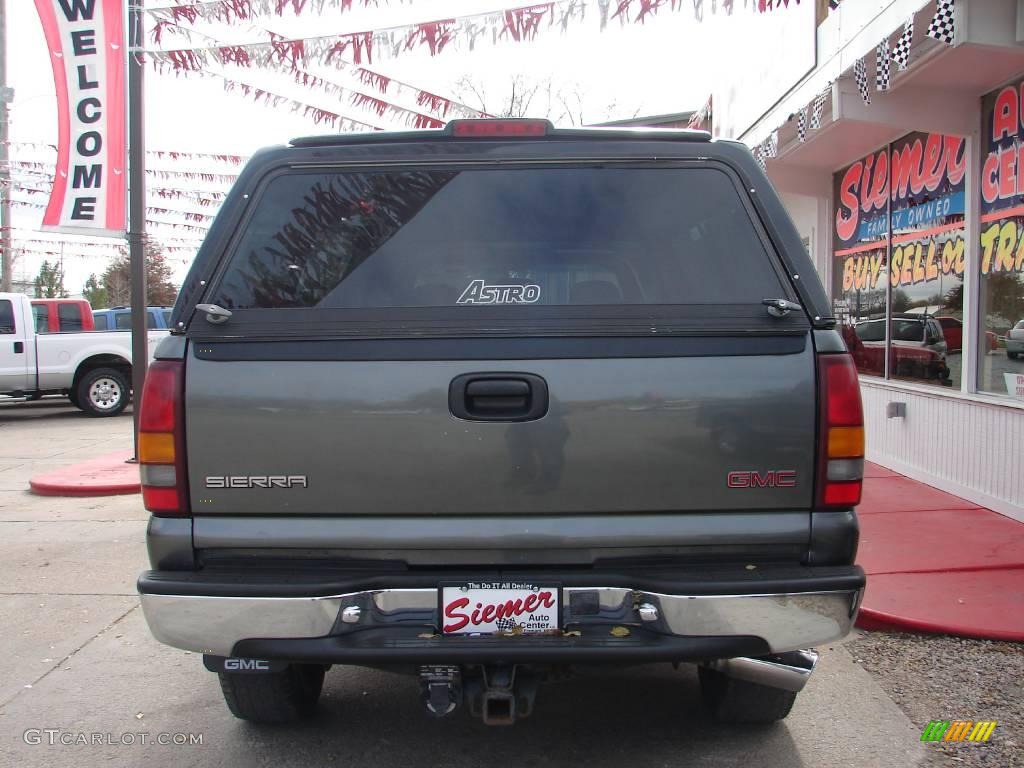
953	332
917	349
120	318
1015	341
92	369
62	315
489	403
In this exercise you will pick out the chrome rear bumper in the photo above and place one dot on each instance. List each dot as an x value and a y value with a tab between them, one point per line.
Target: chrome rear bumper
784	622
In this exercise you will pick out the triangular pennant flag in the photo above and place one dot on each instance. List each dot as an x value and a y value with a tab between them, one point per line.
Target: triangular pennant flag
801	124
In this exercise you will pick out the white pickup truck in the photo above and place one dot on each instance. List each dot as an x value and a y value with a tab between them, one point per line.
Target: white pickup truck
94	369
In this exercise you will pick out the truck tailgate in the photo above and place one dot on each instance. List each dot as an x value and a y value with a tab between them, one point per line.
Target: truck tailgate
620	435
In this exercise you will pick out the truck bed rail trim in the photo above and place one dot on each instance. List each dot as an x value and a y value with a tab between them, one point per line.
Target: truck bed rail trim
499	348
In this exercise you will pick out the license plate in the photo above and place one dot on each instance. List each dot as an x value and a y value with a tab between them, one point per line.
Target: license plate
504	607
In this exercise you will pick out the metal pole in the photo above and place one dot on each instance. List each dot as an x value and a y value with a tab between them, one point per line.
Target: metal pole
137	206
6	96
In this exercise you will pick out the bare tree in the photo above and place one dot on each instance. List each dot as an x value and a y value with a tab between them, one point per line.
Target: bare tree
563	103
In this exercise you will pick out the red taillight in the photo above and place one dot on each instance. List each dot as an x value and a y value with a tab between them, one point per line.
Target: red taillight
840	433
498	128
162	439
842	388
161	500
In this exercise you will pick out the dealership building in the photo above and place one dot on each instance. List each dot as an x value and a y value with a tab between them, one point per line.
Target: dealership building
901	159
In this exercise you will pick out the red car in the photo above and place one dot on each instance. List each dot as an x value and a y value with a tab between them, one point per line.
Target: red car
953	331
62	315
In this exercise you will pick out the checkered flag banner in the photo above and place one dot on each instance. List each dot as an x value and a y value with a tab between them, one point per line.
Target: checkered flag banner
801	124
860	74
505	625
759	156
901	51
773	144
943	25
819	105
882	66
833	4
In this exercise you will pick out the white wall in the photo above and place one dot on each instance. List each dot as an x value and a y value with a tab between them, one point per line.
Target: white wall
968	448
810	214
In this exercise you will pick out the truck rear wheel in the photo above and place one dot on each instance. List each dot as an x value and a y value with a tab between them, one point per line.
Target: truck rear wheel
273	697
102	392
739	701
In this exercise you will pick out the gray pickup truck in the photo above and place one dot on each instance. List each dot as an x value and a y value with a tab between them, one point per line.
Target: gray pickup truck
493	402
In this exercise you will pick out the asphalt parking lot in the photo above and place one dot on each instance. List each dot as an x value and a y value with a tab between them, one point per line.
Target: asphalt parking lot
79	660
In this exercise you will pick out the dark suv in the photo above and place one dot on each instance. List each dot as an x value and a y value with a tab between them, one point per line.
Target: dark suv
494	402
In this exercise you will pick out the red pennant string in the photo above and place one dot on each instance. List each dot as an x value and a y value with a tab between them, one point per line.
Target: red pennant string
436	35
522	23
374	79
361	44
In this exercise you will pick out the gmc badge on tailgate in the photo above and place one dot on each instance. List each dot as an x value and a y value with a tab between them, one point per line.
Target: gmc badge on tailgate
773	478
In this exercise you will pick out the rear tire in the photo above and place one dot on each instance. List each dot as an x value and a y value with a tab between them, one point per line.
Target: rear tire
102	392
738	701
1012	355
274	697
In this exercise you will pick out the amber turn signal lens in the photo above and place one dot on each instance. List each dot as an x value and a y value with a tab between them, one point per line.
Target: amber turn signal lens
845	442
156	448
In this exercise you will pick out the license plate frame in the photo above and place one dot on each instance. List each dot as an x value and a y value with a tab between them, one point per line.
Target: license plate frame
530	618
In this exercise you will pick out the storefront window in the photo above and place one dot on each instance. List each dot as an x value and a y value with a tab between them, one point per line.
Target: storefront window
1001	344
908	200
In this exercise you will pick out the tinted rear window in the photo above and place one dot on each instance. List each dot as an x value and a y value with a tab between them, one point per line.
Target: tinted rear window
6	316
900	330
70	317
100	322
435	238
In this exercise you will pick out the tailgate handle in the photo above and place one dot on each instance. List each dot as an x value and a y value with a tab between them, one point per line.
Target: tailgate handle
498	397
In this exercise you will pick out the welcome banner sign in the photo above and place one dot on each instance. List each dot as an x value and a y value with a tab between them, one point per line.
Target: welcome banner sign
86	43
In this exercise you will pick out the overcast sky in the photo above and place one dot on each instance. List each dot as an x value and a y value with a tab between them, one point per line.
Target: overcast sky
668	64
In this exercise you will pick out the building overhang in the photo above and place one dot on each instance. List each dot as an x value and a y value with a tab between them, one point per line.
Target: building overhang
939	92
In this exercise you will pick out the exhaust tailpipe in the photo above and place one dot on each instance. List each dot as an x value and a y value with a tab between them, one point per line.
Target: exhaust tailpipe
789	671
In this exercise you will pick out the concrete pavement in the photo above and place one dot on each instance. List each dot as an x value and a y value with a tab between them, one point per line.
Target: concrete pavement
79	658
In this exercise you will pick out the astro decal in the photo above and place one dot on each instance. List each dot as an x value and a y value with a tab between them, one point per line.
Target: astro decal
773	478
257	481
478	292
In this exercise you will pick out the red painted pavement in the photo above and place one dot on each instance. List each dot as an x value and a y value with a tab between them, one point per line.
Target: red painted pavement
938	563
107	475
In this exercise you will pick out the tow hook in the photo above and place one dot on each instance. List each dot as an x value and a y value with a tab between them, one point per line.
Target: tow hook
502	694
442	689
